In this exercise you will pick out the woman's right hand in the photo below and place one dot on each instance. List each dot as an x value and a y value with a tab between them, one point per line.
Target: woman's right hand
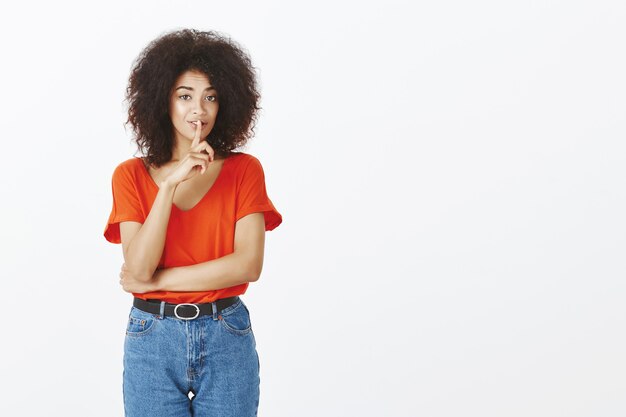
196	161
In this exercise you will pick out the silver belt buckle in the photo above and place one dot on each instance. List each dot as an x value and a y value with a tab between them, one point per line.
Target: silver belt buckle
186	304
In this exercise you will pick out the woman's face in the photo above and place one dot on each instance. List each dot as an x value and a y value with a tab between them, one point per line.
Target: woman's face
192	98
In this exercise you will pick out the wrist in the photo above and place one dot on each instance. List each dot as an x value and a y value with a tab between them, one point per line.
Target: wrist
166	184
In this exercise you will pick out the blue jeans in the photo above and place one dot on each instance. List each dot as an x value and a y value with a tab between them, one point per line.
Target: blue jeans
213	357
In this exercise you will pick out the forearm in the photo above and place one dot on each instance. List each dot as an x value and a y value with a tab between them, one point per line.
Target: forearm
146	248
224	272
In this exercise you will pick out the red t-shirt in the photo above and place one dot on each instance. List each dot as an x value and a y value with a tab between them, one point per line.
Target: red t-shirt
205	232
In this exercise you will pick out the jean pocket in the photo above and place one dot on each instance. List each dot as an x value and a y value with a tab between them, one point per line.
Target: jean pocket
139	322
237	319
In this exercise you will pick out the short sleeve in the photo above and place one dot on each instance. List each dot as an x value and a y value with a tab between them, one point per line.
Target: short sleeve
126	204
252	196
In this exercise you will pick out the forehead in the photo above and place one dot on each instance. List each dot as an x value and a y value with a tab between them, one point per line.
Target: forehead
192	77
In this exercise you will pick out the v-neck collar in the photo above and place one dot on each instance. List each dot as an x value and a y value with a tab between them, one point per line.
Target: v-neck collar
144	169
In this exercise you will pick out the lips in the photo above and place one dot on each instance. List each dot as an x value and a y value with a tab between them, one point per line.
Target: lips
194	124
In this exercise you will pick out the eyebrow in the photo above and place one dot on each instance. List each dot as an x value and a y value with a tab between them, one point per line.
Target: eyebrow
191	89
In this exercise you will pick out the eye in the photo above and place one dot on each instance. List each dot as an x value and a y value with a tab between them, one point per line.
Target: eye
212	98
184	95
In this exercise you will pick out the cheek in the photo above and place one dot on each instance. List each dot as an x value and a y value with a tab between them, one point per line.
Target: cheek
177	109
215	110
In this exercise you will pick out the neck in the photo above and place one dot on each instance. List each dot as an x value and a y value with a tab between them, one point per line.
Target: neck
181	148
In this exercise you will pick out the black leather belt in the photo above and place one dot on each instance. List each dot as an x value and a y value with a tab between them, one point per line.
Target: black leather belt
185	311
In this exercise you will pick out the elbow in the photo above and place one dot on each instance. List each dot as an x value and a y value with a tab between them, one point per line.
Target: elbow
253	271
253	274
249	266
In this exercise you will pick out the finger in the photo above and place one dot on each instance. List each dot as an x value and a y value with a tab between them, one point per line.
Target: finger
202	161
196	138
211	152
199	147
203	146
199	155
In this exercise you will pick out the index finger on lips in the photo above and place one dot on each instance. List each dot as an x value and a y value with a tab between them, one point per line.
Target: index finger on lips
196	138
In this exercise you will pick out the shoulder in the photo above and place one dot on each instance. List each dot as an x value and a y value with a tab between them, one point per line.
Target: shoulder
242	157
245	161
126	170
129	164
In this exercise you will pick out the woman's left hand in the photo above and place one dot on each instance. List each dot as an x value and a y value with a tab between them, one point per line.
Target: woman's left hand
130	283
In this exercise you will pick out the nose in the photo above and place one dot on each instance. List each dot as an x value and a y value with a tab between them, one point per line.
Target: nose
198	108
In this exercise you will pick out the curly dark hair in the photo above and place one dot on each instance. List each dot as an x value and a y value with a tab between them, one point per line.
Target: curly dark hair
222	60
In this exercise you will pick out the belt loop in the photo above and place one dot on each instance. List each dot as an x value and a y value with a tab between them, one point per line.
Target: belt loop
214	305
162	311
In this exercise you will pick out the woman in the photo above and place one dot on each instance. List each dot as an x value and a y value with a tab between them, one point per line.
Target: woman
191	216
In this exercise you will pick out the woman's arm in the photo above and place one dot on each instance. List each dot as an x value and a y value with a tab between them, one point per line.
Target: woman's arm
241	266
143	244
